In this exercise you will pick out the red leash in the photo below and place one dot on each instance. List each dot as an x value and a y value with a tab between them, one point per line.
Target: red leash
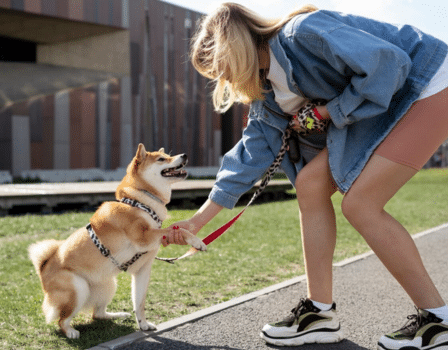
215	234
212	236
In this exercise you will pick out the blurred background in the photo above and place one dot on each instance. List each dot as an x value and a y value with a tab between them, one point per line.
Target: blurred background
83	82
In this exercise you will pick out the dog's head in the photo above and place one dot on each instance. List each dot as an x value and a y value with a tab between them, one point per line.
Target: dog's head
158	167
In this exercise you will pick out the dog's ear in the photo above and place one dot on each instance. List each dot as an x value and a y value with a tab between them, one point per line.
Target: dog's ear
162	150
141	153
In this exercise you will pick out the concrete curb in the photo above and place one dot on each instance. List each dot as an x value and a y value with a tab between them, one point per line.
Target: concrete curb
177	322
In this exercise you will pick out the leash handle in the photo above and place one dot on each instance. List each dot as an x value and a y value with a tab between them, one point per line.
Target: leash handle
264	182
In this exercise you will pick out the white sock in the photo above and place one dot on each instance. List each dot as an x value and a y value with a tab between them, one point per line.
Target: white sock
440	312
322	306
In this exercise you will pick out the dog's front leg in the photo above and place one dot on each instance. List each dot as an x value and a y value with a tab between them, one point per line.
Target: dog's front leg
192	240
140	282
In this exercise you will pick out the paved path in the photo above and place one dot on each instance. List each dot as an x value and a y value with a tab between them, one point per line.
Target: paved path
370	303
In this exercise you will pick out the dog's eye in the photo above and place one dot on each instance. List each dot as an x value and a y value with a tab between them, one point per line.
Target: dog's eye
161	159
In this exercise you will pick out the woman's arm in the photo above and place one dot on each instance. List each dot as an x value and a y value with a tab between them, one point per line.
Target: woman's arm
204	215
241	168
375	69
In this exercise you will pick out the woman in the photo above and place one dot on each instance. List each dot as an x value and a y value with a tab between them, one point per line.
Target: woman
385	97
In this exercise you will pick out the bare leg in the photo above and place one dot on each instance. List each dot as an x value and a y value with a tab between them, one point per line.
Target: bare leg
314	186
363	206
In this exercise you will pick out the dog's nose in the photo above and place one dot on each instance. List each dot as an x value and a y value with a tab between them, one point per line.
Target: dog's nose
184	157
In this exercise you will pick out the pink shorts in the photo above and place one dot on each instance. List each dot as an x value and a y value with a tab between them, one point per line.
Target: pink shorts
420	132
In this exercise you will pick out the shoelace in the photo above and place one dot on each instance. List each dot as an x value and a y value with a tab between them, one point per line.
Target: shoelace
304	306
415	322
412	325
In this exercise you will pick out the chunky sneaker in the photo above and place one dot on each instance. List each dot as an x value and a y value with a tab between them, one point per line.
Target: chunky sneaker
306	324
424	331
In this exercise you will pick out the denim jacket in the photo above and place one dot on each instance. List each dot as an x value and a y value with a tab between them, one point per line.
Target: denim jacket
368	72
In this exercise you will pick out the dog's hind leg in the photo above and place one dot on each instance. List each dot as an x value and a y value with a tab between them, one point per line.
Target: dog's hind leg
102	295
140	281
74	300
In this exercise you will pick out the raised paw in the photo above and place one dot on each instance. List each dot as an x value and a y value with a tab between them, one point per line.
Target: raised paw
201	246
196	243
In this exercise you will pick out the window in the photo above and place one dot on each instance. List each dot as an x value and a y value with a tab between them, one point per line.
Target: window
15	50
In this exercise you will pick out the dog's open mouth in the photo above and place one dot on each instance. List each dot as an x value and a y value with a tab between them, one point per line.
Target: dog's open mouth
175	172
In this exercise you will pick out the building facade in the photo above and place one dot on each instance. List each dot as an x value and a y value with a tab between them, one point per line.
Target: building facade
84	81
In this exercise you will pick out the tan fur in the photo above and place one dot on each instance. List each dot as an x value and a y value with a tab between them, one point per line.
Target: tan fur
73	272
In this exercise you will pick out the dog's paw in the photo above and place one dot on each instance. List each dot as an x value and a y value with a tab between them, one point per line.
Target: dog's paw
72	333
201	246
147	326
195	242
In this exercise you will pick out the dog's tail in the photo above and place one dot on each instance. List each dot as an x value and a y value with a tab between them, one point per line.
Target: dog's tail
41	252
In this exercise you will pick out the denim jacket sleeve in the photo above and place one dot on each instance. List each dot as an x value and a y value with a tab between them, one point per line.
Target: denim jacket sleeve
375	69
242	166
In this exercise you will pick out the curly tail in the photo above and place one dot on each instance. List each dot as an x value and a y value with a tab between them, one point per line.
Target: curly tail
41	252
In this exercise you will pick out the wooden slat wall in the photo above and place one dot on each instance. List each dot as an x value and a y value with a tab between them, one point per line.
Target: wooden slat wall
185	119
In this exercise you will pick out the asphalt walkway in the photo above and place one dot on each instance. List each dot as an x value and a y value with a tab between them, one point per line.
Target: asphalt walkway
369	301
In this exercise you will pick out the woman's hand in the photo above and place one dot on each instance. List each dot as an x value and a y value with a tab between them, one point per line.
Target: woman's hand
323	111
205	213
311	119
175	237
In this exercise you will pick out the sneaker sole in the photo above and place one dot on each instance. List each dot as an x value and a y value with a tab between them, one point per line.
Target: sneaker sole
443	346
310	338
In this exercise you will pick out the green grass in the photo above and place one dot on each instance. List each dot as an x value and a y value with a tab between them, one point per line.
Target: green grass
261	249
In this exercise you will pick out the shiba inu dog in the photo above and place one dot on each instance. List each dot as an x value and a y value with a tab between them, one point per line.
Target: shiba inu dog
79	272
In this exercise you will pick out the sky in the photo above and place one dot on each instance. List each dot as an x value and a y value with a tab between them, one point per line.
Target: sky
430	16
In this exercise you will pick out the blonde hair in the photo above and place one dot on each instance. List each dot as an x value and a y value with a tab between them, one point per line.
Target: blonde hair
225	49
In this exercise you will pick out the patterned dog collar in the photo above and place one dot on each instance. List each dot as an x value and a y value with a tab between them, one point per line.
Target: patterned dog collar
139	205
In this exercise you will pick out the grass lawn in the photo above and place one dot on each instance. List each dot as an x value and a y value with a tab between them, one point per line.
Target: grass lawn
261	249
